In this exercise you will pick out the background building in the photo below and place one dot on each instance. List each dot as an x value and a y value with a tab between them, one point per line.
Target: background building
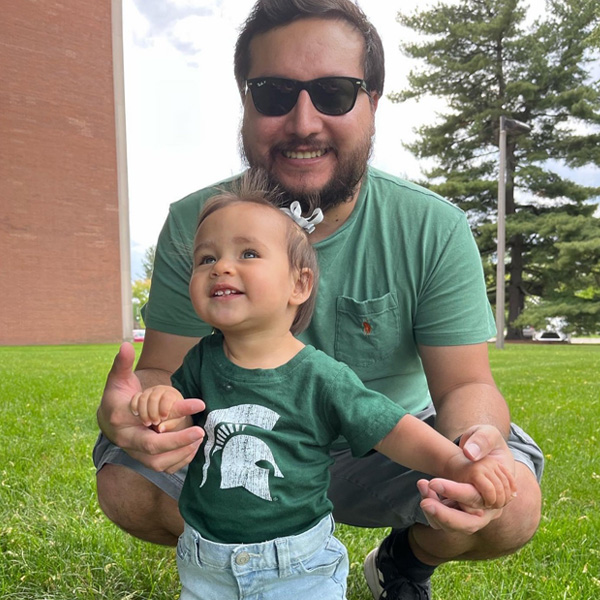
64	242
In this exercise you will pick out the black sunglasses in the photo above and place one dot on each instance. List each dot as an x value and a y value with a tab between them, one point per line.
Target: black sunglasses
275	96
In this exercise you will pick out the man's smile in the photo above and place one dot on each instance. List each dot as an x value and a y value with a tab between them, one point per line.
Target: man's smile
305	154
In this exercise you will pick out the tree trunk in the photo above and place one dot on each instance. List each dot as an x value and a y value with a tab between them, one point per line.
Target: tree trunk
516	298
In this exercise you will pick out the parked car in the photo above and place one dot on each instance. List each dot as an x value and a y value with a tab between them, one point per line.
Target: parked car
552	336
528	332
139	335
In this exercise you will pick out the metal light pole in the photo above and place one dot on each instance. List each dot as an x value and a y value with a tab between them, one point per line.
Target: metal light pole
501	241
515	128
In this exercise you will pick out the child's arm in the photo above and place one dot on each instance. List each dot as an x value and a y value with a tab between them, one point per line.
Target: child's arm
420	447
153	406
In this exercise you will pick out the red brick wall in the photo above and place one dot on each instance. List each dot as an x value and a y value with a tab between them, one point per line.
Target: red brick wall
59	219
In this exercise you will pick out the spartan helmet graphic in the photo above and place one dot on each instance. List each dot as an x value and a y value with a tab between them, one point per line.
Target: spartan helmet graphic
240	452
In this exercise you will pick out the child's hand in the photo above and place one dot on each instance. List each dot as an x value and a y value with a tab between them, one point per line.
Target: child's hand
493	480
153	407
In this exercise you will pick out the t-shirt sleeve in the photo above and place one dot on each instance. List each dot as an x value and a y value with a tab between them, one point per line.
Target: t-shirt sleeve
364	417
169	308
453	308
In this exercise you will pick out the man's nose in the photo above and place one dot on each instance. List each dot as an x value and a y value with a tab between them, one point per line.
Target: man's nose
304	119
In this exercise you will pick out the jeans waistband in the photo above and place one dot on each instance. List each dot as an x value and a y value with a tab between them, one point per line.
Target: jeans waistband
279	553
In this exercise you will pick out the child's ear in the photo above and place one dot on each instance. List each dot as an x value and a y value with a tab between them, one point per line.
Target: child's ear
305	280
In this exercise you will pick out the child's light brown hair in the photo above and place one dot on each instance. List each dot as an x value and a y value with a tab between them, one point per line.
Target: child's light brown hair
252	187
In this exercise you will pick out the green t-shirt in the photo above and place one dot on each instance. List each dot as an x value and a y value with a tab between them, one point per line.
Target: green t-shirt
403	270
262	471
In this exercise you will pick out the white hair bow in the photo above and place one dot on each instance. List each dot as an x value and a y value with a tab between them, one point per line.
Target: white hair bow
308	224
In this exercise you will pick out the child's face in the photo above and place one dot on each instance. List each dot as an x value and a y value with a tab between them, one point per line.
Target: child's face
242	279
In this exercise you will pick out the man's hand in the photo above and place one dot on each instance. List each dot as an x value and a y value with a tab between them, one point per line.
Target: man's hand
486	440
453	506
159	451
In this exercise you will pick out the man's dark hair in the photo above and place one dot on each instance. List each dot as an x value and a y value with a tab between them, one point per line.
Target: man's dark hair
269	14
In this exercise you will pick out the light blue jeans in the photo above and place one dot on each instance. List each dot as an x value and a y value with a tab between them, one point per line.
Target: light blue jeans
313	564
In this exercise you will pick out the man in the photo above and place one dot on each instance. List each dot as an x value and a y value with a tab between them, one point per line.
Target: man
402	301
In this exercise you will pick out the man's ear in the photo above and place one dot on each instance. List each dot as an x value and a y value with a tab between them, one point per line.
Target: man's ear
303	286
375	100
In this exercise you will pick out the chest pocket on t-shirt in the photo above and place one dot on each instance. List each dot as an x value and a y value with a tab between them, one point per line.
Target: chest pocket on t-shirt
366	331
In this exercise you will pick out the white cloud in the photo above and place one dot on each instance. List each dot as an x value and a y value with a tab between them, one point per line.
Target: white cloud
161	15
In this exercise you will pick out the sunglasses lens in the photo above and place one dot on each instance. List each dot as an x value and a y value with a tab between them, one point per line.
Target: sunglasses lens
275	97
333	95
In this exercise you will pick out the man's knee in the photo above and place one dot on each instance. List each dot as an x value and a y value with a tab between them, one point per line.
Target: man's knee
124	496
528	508
137	506
521	518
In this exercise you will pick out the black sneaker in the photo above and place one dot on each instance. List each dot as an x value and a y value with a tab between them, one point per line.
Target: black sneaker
387	583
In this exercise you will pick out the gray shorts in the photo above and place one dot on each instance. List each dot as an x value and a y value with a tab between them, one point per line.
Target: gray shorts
372	491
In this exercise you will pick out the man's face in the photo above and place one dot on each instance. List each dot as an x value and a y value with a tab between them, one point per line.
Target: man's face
305	151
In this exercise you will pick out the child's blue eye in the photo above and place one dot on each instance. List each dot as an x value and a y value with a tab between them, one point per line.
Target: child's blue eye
206	260
249	254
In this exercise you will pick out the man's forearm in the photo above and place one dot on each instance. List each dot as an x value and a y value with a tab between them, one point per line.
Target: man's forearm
151	377
471	404
463	389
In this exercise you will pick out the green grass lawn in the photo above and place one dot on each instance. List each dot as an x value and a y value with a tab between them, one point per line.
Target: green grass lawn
56	544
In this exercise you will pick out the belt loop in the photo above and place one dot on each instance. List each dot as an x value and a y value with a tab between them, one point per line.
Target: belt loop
283	557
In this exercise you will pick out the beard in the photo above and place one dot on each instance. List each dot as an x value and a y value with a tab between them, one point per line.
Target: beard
339	189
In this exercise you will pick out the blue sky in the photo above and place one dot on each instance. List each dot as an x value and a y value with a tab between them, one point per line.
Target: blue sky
183	109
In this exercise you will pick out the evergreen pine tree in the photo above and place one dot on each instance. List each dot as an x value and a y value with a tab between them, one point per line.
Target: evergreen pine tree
482	58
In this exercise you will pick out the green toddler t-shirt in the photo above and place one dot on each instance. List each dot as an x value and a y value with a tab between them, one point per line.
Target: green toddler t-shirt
262	471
